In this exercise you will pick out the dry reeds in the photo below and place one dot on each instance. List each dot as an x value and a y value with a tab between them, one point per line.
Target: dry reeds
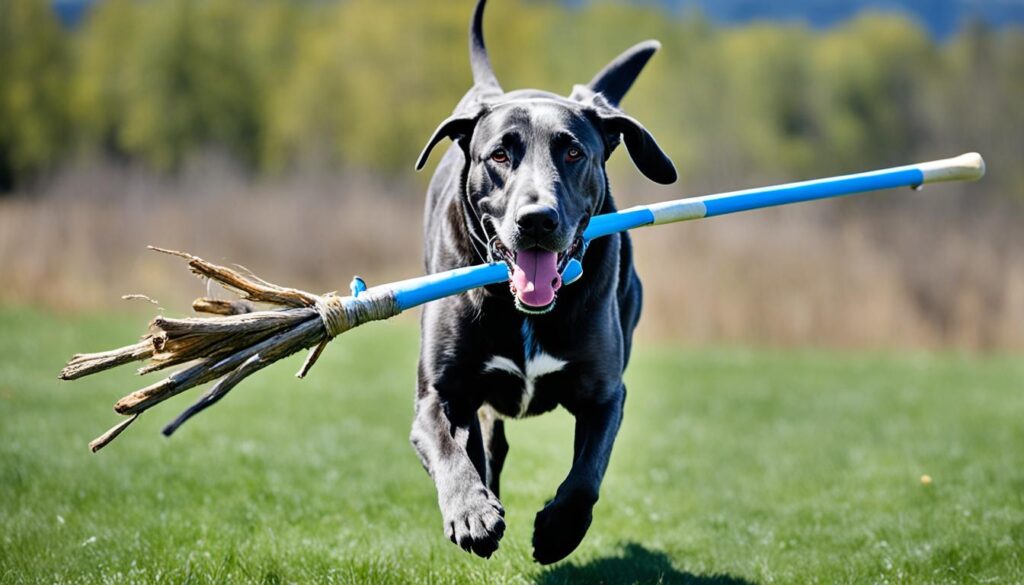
919	270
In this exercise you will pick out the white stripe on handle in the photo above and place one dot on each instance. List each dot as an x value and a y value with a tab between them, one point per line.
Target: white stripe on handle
966	167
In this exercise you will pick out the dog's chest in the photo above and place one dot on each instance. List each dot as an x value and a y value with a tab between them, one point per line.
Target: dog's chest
515	387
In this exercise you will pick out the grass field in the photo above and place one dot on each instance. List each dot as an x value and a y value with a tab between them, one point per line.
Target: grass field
733	466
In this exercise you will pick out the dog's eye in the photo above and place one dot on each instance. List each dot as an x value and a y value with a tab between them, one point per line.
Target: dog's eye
500	156
573	154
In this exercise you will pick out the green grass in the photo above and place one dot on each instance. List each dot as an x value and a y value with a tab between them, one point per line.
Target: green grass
733	466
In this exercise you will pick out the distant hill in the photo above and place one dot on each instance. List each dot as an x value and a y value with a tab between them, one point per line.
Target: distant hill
941	17
71	12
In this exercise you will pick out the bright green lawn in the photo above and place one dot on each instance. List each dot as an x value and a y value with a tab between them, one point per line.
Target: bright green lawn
733	466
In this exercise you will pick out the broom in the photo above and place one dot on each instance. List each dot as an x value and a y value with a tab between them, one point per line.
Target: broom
240	341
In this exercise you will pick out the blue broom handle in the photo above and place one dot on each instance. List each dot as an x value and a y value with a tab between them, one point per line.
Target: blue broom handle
968	167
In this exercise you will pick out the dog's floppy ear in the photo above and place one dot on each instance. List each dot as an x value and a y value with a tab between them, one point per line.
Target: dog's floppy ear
605	92
459	127
643	148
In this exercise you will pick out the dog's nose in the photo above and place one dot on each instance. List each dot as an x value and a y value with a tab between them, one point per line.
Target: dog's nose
537	220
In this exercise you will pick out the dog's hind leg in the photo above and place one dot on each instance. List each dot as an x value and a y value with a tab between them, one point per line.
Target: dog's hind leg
492	428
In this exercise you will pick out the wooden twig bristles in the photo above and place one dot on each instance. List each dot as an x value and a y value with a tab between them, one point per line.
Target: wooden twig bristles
231	346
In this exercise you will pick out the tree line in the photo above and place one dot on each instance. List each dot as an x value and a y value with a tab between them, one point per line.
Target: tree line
277	85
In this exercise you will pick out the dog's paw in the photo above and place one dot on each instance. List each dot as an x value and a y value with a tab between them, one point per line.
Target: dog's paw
475	521
560	527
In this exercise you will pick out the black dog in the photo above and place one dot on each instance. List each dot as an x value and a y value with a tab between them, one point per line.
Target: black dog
520	184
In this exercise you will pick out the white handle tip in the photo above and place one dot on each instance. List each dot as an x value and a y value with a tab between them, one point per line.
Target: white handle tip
966	167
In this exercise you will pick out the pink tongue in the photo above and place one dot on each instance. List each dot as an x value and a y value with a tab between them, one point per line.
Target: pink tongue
536	277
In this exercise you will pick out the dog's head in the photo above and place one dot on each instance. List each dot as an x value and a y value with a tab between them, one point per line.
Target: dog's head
535	164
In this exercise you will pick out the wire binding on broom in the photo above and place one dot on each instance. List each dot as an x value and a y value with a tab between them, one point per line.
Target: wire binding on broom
231	346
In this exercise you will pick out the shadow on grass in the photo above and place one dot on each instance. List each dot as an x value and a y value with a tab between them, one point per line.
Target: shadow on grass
636	564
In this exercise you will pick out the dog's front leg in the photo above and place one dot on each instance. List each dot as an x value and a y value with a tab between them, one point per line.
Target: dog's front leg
445	438
561	525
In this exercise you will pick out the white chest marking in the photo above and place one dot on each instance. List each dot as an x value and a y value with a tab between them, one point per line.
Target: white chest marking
539	365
